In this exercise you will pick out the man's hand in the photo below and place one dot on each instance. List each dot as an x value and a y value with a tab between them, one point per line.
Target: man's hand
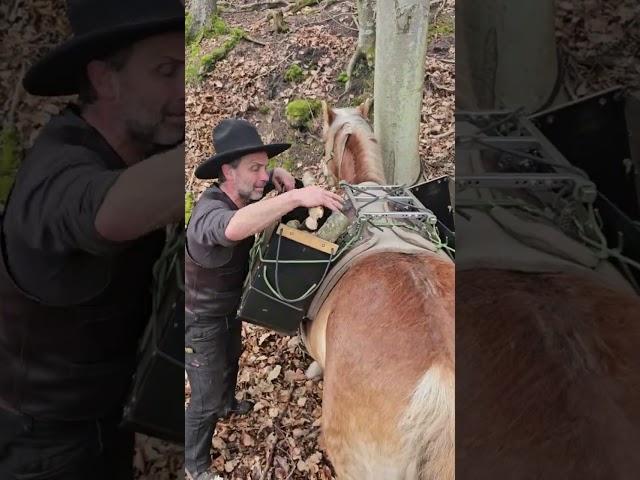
315	196
283	180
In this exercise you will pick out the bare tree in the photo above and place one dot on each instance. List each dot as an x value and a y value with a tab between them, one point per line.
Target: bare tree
401	49
506	54
201	12
365	49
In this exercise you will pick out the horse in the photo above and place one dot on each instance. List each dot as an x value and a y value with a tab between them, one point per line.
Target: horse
548	364
384	338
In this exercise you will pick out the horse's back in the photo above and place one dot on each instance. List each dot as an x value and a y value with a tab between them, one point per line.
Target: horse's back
552	369
390	342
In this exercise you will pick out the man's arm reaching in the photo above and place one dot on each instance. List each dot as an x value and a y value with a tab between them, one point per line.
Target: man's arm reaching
257	216
145	196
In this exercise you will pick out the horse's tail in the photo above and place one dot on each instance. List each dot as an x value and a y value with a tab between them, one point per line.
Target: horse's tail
428	427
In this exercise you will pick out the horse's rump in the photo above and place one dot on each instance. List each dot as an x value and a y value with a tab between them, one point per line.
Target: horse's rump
390	321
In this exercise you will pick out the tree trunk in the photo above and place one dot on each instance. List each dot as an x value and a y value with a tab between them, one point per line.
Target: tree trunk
401	48
366	47
201	12
367	29
506	54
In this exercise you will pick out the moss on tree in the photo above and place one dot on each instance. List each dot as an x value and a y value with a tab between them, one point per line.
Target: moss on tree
199	64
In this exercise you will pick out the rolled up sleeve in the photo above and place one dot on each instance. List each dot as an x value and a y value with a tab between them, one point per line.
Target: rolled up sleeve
210	224
60	204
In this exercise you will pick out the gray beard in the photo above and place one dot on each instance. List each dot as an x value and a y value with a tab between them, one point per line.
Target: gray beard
146	137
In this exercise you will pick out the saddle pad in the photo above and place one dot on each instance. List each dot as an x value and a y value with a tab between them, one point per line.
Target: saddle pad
389	239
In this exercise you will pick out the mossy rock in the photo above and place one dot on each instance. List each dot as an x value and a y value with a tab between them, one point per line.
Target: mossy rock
294	74
301	112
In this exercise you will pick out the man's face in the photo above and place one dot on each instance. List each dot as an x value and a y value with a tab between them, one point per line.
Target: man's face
150	90
250	176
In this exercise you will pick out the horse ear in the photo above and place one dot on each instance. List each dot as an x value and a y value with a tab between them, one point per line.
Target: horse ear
365	107
327	114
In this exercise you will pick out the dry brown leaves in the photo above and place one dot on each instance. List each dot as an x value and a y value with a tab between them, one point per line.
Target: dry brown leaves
32	29
599	42
278	440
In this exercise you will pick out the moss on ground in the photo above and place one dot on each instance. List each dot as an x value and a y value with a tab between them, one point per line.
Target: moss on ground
445	26
294	74
301	112
283	160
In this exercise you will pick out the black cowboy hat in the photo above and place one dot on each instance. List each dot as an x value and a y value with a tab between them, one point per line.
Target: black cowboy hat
100	27
233	138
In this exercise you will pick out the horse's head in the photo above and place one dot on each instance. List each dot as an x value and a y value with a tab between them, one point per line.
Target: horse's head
351	152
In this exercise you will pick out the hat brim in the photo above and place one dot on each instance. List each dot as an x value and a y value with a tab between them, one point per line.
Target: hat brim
211	167
60	70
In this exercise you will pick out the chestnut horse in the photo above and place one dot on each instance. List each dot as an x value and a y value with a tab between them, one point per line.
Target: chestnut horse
384	338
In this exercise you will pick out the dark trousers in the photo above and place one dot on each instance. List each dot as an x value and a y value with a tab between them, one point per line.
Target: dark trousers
213	347
38	450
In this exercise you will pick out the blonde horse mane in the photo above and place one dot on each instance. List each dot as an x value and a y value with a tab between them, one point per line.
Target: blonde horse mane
350	145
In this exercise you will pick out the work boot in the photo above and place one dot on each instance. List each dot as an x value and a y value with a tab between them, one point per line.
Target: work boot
241	407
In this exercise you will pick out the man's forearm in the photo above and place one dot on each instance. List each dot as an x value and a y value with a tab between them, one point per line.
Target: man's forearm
145	196
257	216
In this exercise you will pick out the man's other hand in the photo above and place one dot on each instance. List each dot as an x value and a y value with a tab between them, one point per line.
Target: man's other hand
283	180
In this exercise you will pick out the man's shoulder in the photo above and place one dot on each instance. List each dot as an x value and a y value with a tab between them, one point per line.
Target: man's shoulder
69	139
214	197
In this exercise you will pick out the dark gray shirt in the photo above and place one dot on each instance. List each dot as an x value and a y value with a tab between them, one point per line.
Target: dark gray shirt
206	240
54	251
207	243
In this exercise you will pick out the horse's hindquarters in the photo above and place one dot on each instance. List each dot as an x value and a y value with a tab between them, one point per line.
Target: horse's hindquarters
389	341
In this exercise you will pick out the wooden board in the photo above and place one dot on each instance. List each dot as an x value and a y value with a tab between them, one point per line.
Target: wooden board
308	239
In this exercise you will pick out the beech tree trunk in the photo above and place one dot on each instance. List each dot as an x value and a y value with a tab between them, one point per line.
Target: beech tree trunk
401	48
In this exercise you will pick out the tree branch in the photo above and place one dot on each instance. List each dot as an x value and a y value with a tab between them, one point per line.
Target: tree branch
300	4
257	6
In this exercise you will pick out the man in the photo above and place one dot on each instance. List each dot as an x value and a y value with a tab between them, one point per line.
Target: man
80	233
220	235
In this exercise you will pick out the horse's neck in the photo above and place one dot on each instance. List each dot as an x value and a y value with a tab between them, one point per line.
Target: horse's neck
360	159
